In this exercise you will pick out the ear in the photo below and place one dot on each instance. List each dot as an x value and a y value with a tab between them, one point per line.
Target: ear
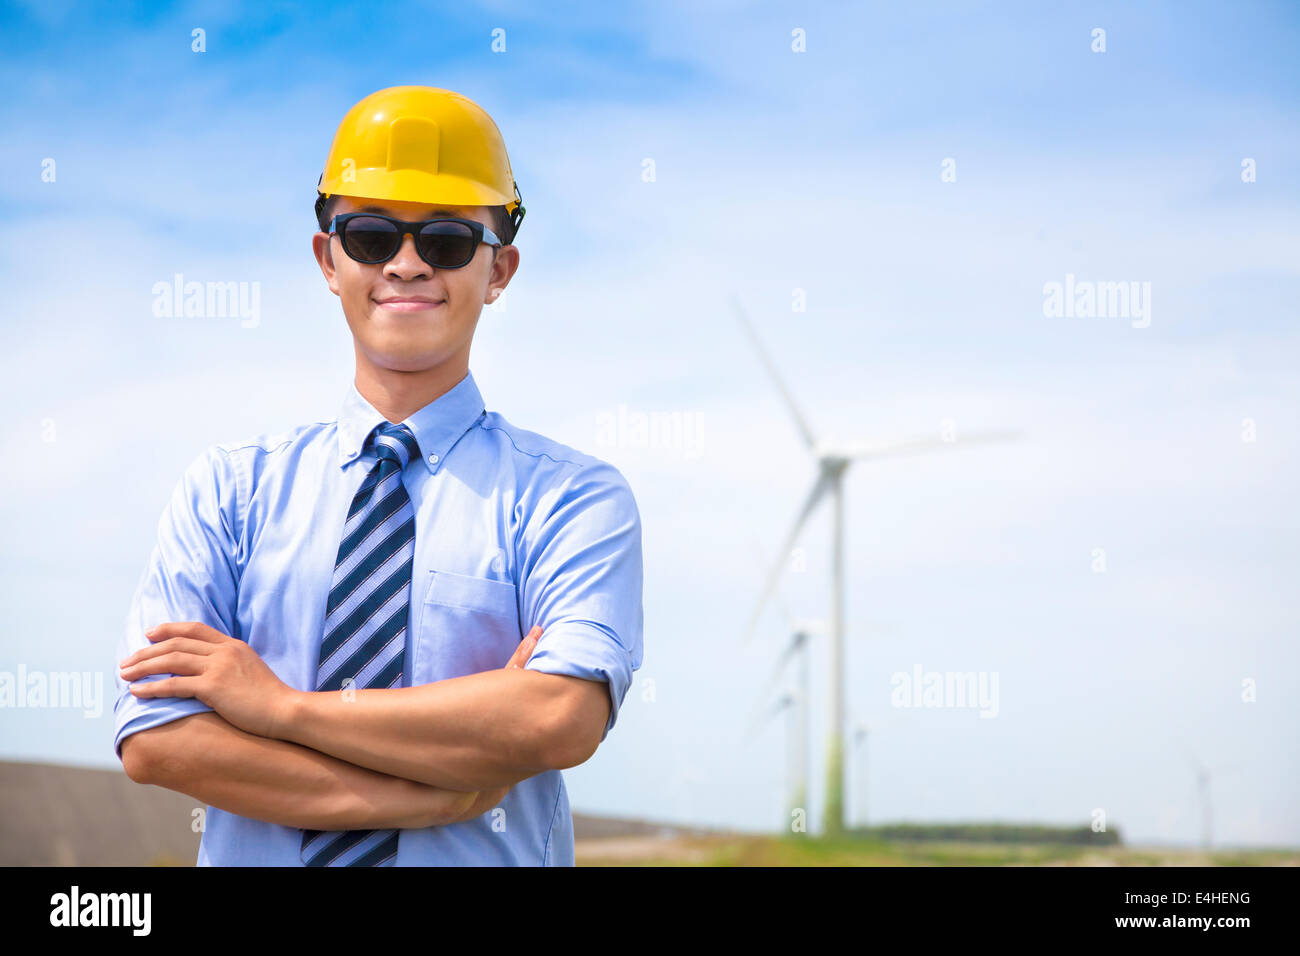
320	245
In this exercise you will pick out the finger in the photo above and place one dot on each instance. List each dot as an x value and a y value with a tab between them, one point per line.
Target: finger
177	662
195	629
525	649
527	646
167	687
519	656
164	647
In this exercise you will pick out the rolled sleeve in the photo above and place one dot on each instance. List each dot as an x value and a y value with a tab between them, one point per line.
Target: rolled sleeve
582	583
191	575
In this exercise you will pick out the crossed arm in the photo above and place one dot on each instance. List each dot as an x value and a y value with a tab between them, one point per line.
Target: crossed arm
407	757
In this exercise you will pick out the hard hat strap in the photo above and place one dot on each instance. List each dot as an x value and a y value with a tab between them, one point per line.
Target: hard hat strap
517	216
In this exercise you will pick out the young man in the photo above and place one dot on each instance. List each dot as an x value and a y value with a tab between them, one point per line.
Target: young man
378	640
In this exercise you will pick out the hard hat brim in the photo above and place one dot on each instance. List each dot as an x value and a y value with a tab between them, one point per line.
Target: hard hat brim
414	185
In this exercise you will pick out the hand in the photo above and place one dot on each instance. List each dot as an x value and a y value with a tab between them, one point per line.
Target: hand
224	673
485	800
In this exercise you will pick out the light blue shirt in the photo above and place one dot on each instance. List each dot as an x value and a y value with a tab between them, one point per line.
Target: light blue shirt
511	530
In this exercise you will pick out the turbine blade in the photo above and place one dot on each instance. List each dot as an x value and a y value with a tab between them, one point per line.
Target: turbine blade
913	446
815	495
800	422
774	678
761	559
766	714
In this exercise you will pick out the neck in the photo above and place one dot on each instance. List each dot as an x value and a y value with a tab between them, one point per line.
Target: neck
397	394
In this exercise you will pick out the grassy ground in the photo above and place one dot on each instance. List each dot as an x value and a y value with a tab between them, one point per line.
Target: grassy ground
818	851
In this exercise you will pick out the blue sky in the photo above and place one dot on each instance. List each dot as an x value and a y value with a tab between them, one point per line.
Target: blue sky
774	171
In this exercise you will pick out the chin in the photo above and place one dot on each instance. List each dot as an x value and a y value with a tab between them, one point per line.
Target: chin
407	361
401	355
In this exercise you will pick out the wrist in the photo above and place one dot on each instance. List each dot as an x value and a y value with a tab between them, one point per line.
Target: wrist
286	714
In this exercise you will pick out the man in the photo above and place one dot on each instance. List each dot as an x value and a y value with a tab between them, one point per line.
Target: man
335	664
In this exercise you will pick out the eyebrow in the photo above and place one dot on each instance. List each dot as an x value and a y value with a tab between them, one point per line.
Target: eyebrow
436	212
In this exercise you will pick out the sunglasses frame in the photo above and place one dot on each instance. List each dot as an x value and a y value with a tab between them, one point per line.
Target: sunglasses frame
481	234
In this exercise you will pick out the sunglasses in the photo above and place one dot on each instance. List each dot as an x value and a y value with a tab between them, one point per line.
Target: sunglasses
443	243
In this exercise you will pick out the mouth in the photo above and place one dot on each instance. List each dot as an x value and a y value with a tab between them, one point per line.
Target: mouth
409	303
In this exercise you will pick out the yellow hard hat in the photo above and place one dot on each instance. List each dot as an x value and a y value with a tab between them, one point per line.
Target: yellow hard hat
420	144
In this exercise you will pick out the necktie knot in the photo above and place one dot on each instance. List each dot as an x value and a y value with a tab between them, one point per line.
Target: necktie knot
394	443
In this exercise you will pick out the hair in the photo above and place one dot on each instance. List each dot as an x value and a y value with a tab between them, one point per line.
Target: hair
500	219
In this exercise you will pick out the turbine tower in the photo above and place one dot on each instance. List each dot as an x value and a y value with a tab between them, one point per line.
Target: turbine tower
861	735
832	462
1207	811
801	631
794	749
1204	780
859	769
797	700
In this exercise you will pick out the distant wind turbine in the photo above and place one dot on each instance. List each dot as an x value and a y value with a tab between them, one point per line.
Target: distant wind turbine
861	734
798	701
790	703
832	462
1204	779
798	648
861	738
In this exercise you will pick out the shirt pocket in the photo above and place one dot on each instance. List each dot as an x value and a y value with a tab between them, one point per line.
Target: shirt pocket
466	625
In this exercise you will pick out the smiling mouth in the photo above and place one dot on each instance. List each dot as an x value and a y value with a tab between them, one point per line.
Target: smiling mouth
408	305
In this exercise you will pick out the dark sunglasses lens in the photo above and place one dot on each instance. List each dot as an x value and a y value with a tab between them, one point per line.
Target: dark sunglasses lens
370	239
447	245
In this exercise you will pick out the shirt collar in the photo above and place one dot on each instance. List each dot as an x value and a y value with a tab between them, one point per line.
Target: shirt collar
437	426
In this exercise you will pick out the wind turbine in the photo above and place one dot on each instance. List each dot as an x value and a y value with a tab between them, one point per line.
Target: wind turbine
792	703
798	647
832	462
861	734
1204	778
861	740
1207	811
797	761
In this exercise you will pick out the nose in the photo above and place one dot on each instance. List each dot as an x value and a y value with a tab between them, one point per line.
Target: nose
407	264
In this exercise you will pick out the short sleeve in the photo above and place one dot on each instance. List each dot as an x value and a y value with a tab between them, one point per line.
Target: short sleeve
581	578
192	575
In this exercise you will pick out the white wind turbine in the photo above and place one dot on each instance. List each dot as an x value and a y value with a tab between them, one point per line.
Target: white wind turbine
1203	775
798	648
798	762
1204	778
861	740
791	703
833	460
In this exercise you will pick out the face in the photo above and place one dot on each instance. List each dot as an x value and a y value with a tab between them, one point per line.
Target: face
404	314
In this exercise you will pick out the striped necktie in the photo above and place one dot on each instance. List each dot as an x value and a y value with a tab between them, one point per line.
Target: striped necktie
365	621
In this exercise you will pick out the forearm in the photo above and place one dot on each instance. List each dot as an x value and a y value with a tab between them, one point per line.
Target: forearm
206	758
475	732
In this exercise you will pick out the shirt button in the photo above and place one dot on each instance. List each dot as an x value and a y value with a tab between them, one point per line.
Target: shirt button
433	459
